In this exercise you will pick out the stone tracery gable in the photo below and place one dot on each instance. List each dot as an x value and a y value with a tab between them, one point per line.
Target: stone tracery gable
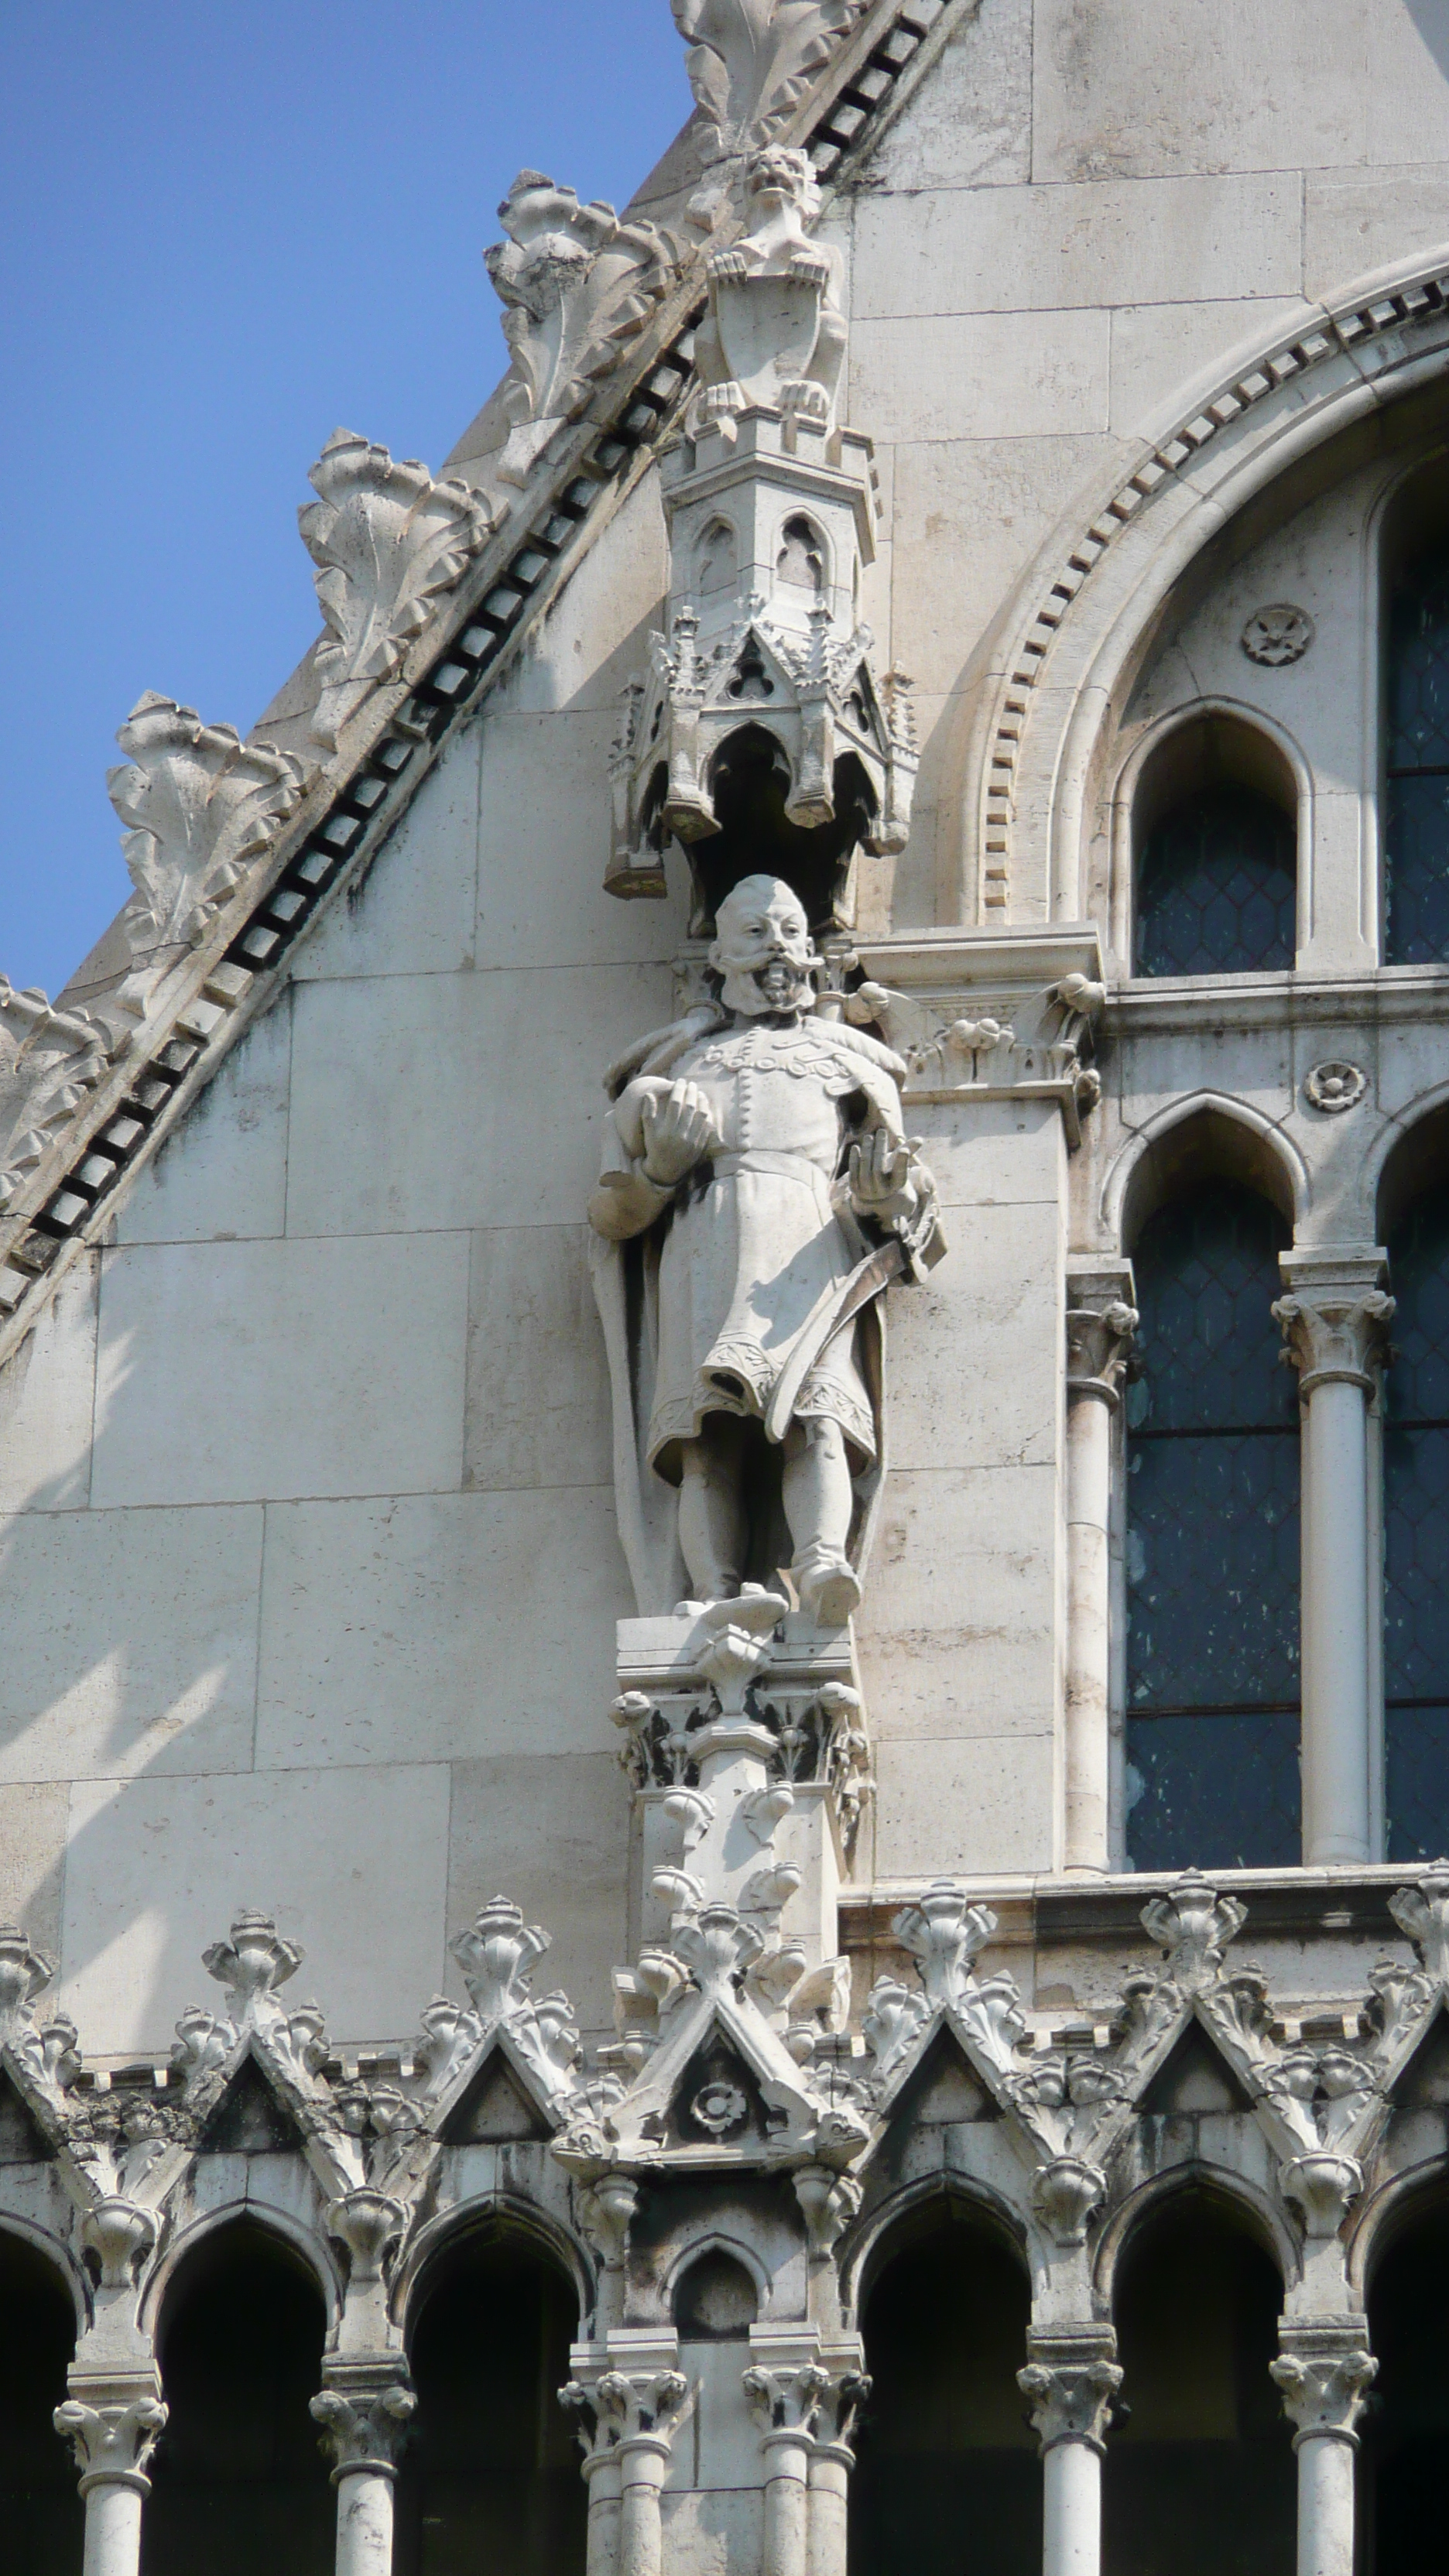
1089	597
115	2181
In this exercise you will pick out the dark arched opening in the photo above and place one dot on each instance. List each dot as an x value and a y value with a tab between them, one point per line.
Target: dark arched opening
1200	2474
1212	1533
750	784
238	2481
1405	2426
41	2512
1416	1496
947	2474
491	2476
1215	834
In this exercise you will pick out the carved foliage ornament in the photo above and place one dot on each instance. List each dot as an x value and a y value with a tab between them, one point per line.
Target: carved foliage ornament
200	807
388	543
49	1060
750	61
576	283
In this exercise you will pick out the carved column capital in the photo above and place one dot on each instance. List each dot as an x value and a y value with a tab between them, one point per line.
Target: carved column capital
1324	2378
365	2414
1334	1318
112	2443
786	2401
1101	1329
1070	2388
645	2405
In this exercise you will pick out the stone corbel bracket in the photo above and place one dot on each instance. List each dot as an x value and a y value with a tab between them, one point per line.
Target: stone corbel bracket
989	1015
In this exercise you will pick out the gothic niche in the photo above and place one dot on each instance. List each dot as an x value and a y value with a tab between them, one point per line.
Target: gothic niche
760	737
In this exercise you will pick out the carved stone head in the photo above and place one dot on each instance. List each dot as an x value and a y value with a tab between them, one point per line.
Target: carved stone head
779	177
762	948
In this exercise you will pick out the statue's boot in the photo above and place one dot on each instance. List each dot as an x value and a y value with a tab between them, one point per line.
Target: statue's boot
827	1584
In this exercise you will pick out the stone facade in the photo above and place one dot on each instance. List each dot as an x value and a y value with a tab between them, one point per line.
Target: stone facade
991	457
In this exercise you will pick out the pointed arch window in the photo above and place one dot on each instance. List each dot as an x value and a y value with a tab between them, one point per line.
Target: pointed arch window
1212	1542
1416	817
1216	835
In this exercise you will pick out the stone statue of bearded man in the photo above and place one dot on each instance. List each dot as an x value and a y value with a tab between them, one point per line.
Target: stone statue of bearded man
759	1192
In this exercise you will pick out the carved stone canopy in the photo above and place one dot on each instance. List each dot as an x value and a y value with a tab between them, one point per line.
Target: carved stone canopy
761	735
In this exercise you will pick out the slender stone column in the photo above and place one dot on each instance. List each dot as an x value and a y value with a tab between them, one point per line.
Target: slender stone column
603	2415
832	2458
113	2443
1333	1325
1101	1321
647	2405
1324	2376
364	2412
785	2404
1070	2384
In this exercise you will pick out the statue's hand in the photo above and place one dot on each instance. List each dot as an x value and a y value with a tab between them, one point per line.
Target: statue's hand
729	263
881	1183
812	264
679	1130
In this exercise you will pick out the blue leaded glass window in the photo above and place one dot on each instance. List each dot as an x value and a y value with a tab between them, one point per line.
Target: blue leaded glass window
1212	1544
1416	823
1216	886
1416	1537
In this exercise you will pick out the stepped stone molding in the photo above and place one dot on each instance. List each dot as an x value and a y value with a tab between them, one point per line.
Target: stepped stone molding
174	1032
1031	749
388	543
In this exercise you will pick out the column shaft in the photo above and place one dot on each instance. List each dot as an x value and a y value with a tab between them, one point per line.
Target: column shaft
364	2521
1325	2505
1333	1327
641	2539
1072	2509
1335	1624
602	2473
1101	1323
828	2507
113	2526
786	2529
1088	1751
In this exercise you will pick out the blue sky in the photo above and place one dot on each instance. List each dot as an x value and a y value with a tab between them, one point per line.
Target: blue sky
224	231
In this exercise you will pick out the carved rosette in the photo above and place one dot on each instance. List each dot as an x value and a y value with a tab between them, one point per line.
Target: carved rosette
1335	1336
389	544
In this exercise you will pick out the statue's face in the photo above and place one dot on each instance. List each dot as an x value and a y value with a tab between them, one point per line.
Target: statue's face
762	948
